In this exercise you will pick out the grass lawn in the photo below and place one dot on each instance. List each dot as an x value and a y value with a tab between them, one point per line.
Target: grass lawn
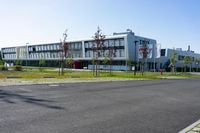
34	73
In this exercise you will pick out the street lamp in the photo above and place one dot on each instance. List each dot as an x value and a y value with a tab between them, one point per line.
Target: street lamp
26	54
135	56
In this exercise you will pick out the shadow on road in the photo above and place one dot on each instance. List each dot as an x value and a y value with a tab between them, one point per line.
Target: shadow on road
11	97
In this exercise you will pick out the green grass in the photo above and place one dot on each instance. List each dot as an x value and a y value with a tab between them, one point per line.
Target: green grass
33	73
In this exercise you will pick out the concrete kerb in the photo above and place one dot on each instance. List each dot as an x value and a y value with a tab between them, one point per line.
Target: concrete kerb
11	82
21	81
190	129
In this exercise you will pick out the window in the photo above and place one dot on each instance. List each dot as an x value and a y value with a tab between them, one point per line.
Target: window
34	49
39	48
116	42
29	48
54	47
51	47
117	53
121	42
44	48
162	52
58	55
180	57
86	45
90	45
111	43
121	52
47	46
80	45
106	43
48	56
75	45
86	54
58	46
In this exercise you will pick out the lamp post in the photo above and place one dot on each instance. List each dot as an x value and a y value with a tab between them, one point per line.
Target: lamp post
135	57
26	54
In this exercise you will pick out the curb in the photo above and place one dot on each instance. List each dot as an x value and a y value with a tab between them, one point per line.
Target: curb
192	128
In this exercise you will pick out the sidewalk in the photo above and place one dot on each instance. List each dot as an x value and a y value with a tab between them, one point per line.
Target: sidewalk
15	81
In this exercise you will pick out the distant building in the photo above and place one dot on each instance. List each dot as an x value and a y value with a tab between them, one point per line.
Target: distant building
163	61
127	47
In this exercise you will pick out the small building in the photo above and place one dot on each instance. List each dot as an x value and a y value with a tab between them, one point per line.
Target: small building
163	62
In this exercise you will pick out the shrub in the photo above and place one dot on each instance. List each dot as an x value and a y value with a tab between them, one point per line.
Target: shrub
18	62
42	62
1	62
3	68
41	69
18	68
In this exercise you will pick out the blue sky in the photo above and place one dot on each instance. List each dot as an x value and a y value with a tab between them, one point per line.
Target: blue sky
173	23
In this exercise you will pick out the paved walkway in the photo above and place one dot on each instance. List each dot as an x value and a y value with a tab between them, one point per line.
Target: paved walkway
7	82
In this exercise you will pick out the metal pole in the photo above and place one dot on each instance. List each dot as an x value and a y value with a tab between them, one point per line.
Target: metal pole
154	64
26	54
135	57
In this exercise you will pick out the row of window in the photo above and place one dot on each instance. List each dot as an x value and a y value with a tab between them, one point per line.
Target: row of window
77	45
8	50
52	55
117	53
9	56
181	57
46	55
44	47
107	43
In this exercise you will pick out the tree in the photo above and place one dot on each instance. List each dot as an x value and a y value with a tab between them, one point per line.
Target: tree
2	67
145	52
1	60
69	62
93	65
97	48
18	65
131	64
63	53
197	61
106	61
18	62
42	63
111	55
173	60
187	60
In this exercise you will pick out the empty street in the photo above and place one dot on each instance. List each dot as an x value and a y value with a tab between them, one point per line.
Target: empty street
154	106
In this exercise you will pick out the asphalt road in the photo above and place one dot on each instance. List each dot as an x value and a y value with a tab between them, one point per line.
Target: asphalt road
162	106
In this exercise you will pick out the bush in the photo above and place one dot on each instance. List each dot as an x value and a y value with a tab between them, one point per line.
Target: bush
1	62
3	68
18	68
18	62
41	69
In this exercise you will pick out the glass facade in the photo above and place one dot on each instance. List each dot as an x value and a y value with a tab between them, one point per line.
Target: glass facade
75	50
116	44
